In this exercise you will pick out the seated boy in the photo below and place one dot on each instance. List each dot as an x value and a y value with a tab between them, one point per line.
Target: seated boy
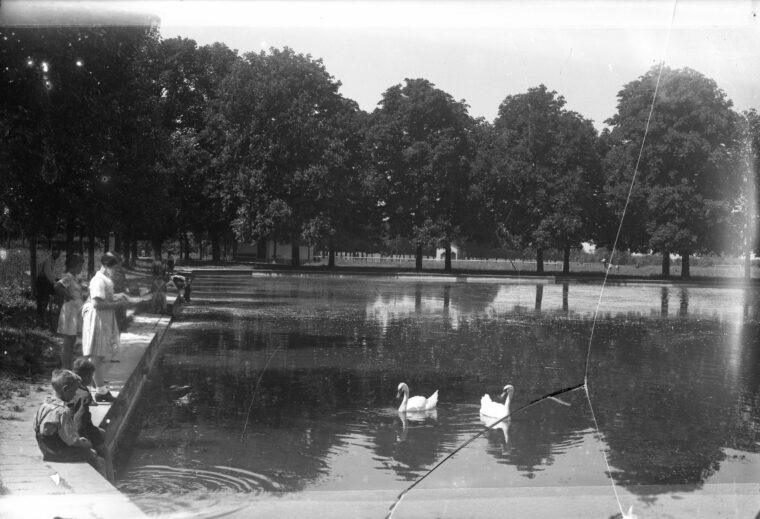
56	424
80	404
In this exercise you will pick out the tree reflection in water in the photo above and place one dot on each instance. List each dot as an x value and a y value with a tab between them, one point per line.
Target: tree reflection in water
670	395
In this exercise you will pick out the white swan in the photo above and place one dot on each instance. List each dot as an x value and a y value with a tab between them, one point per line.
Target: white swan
416	403
493	409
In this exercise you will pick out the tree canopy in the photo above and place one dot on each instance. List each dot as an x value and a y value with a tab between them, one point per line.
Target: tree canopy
114	130
685	183
423	147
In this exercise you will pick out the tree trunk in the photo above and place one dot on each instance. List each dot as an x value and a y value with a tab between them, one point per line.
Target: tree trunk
566	260
331	256
126	250
69	236
666	264
216	251
106	242
418	258
447	258
117	242
156	244
134	250
81	241
540	261
685	273
295	255
90	253
186	241
33	262
234	247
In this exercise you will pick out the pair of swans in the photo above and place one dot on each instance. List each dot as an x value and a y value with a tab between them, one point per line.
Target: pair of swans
488	407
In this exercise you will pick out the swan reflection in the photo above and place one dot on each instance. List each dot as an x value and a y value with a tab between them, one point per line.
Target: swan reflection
417	419
502	426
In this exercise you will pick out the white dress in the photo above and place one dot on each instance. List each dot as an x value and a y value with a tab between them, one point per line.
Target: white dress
70	318
100	332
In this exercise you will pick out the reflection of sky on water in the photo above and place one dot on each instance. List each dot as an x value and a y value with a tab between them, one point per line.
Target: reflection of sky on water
725	304
386	309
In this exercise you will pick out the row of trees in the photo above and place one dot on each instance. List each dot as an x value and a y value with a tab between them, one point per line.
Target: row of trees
115	129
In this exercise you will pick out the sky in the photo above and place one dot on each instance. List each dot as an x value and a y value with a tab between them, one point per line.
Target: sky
478	51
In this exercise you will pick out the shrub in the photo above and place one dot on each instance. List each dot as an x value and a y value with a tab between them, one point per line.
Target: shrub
15	291
27	351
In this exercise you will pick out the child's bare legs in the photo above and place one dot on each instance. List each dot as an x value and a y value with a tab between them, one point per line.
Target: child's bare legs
98	377
67	353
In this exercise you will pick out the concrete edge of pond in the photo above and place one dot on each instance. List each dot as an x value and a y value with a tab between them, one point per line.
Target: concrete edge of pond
718	500
32	487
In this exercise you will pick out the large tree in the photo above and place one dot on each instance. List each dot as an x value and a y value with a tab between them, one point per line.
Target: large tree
545	174
423	148
346	210
60	91
190	79
281	109
685	185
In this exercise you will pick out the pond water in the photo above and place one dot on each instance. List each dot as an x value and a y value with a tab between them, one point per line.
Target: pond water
273	385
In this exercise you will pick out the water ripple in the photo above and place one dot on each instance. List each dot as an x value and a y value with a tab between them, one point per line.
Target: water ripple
177	492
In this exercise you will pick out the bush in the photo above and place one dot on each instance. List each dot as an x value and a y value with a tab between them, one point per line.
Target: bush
15	291
27	351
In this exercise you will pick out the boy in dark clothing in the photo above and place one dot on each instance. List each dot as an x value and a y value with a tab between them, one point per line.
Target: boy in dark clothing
81	403
56	425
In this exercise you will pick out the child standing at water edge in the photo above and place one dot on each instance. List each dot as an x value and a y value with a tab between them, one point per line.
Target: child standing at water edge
55	425
70	318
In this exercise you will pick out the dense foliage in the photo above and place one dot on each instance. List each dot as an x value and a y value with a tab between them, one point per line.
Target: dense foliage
114	130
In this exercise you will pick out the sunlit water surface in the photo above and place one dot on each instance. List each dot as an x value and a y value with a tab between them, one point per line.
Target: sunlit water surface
273	385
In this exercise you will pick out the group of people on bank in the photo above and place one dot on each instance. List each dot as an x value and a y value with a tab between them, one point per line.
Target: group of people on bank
87	309
63	427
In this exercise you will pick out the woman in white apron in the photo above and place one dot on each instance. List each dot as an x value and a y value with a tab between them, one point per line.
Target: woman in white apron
100	332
